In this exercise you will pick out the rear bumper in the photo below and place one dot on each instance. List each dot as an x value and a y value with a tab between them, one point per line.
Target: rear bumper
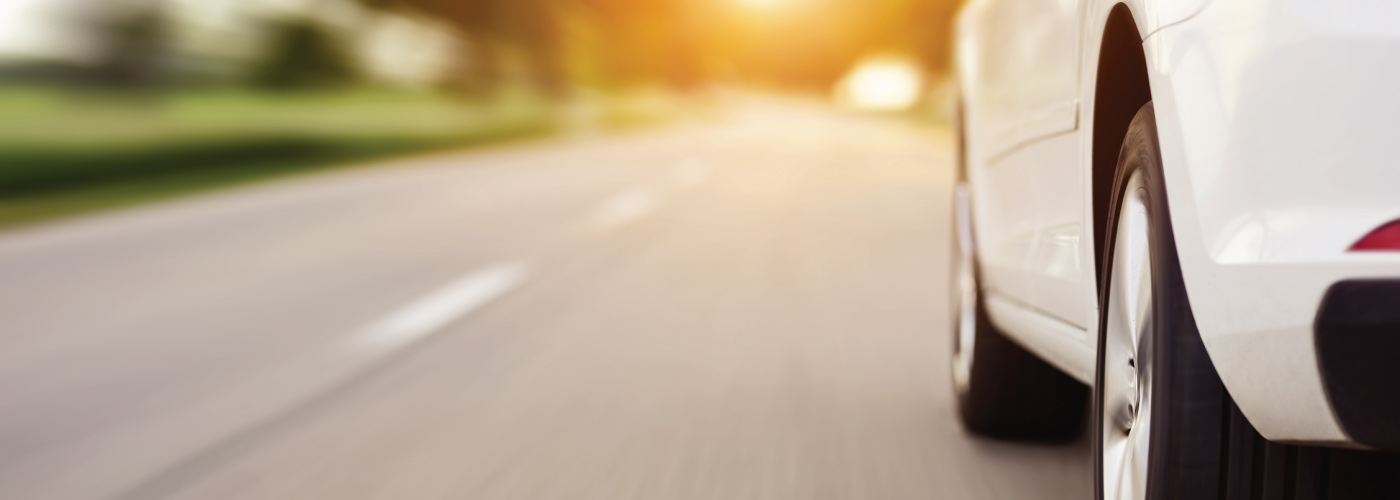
1278	124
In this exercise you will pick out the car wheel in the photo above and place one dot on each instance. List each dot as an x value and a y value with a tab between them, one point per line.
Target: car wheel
1159	405
1002	389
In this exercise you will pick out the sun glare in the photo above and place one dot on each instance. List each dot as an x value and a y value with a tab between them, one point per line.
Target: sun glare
885	84
763	3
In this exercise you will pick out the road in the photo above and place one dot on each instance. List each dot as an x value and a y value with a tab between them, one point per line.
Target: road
745	307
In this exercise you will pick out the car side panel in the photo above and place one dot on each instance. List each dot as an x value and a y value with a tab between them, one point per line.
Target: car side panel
1028	88
1061	277
1004	221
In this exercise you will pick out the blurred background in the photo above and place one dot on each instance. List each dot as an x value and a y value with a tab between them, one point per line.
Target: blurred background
532	249
122	100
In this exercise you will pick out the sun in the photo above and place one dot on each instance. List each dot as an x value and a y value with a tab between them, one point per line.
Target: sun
885	84
764	4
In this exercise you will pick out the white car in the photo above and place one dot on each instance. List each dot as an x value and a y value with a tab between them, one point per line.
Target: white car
1182	217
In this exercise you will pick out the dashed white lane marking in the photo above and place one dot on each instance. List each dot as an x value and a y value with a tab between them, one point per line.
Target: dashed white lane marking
626	207
634	204
691	172
447	304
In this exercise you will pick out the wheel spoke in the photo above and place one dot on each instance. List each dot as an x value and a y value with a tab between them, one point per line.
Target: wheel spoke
1126	483
1139	444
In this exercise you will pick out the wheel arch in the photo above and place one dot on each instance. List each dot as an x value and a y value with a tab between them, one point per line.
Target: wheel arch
1121	88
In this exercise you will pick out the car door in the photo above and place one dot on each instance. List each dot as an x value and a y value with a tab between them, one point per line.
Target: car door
1001	182
1026	116
1058	274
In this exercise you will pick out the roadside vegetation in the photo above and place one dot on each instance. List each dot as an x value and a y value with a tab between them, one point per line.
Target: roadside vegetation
63	152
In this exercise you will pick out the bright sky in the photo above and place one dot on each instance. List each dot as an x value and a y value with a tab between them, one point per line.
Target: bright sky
40	29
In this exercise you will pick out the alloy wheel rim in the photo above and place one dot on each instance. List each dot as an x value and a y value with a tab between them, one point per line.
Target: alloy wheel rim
1129	331
964	291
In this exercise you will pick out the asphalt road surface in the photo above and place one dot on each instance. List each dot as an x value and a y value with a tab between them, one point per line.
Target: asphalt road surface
748	307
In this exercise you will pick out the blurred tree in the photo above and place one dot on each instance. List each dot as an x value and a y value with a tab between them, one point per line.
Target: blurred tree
136	50
301	54
528	26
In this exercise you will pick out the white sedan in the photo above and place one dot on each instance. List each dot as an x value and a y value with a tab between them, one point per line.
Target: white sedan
1183	218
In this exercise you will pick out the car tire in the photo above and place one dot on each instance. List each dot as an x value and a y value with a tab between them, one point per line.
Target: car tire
1158	403
1002	390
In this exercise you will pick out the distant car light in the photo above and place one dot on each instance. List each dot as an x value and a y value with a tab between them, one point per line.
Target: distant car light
1384	238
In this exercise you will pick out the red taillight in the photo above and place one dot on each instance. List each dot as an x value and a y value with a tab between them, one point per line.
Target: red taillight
1384	238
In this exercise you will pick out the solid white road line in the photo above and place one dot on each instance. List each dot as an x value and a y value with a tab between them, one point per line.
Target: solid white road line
626	207
444	306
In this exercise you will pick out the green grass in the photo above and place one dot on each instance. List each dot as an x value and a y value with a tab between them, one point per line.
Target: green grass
155	184
64	153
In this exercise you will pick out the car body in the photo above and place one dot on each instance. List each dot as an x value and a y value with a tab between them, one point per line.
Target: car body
1277	123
